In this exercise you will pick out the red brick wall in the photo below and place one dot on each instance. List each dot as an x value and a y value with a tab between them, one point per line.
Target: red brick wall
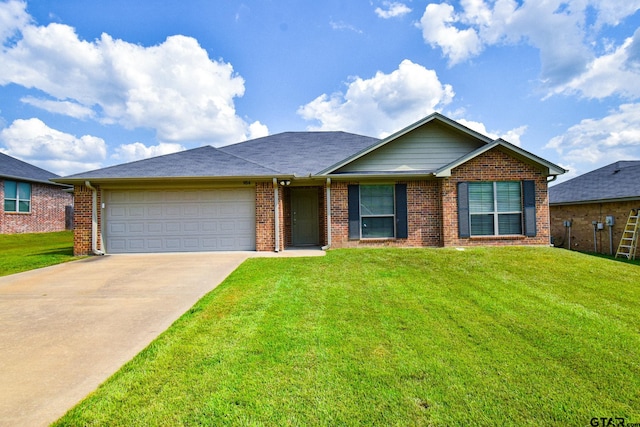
48	206
582	227
423	215
83	211
265	220
494	165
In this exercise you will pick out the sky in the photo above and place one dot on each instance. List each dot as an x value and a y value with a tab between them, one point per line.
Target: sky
86	84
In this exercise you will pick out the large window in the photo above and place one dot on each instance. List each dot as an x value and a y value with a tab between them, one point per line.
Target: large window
377	211
17	197
495	208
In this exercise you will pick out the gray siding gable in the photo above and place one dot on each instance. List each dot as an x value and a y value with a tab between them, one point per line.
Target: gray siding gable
424	150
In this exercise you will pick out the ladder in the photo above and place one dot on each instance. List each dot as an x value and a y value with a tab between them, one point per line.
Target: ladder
629	239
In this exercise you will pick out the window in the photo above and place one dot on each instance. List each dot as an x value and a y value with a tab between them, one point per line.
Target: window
17	197
495	208
377	211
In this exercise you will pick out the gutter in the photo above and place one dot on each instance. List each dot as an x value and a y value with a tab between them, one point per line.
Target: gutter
94	219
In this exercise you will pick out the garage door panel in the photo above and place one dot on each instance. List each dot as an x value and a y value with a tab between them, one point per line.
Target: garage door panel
172	221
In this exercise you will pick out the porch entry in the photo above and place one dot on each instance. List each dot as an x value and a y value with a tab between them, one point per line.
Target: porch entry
305	229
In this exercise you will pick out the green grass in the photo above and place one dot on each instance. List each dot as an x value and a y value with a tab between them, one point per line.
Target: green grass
22	252
487	336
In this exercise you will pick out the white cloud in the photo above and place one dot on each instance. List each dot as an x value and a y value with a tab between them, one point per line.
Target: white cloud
617	72
392	10
457	45
173	87
13	17
598	142
34	142
67	108
138	151
382	104
512	136
562	30
340	25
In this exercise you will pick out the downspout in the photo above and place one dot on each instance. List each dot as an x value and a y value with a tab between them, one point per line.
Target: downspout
553	178
94	219
328	245
276	215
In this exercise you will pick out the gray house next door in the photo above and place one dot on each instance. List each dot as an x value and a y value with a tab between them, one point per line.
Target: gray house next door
304	217
181	220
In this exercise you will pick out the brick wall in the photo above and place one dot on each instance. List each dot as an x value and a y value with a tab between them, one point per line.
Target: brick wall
48	211
265	220
494	165
423	216
582	217
83	211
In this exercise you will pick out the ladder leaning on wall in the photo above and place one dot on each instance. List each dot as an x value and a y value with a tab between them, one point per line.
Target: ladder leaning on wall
629	239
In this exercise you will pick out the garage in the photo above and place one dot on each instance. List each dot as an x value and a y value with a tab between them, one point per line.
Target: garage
196	220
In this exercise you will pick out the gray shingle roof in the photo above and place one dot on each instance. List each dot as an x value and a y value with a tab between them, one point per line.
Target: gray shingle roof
12	168
301	153
289	153
204	161
619	180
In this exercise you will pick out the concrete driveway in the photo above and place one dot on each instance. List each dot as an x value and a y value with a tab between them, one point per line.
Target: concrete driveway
65	329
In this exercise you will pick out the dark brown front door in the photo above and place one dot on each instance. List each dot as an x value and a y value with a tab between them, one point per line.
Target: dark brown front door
304	217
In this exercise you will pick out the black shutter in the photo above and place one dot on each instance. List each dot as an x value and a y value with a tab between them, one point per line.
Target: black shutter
353	198
529	207
402	229
464	227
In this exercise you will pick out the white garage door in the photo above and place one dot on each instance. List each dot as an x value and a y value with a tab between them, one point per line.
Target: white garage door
180	220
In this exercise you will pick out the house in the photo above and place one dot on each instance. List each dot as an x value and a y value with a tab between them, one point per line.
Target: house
582	208
31	203
434	183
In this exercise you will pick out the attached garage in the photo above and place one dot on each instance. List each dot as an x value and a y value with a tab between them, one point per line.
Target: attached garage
184	220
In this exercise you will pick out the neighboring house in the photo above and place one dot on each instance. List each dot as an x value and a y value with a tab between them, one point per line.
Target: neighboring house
611	191
30	202
434	183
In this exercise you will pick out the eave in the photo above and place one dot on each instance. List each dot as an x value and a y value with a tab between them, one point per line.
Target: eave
39	181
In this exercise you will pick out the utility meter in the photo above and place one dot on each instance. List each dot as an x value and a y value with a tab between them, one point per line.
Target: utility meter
609	220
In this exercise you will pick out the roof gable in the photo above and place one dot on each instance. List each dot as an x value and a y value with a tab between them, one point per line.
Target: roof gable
547	167
421	147
616	181
12	168
423	150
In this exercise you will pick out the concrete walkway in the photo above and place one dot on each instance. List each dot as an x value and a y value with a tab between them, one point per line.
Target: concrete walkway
65	329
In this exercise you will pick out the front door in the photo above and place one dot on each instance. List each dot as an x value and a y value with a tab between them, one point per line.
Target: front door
304	217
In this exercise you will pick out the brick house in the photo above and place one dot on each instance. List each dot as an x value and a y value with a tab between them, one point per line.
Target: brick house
575	205
434	183
30	202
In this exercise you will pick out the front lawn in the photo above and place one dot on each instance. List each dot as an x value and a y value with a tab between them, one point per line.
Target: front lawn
22	252
488	336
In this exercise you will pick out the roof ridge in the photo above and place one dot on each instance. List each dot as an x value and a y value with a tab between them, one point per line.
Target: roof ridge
247	160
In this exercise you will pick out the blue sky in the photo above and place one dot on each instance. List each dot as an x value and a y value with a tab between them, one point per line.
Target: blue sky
87	84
